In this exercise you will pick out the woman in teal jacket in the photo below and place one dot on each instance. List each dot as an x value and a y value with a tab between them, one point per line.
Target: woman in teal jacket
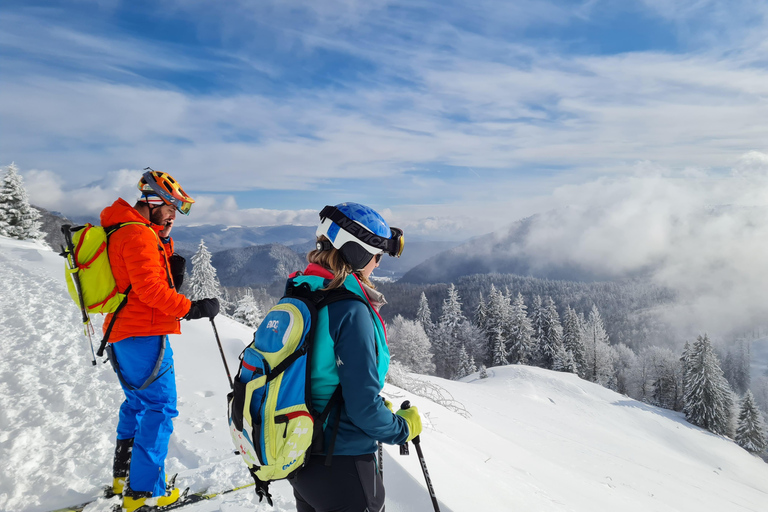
350	351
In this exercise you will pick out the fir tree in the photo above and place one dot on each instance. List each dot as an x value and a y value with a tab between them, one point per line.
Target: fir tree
466	363
736	366
247	311
203	284
410	345
573	340
480	312
424	314
17	218
497	327
538	329
448	335
521	344
483	372
751	428
599	356
708	398
552	334
562	360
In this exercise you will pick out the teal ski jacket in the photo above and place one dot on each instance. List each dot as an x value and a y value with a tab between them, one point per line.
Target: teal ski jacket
350	348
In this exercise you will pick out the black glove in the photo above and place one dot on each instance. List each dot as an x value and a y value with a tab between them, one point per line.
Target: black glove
203	308
178	266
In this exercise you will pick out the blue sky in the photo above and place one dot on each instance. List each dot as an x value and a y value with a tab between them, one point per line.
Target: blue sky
452	118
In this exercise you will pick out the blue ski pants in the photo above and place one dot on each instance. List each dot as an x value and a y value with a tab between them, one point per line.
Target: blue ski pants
146	415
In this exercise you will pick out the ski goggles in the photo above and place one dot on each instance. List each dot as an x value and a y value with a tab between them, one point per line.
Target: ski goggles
347	230
182	205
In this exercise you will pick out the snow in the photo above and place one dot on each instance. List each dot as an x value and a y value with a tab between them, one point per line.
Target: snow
536	441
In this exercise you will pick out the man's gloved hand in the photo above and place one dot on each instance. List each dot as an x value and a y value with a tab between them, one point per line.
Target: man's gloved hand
178	267
203	308
411	416
388	404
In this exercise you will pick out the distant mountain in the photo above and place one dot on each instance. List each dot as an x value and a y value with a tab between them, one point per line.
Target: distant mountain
219	237
503	252
256	265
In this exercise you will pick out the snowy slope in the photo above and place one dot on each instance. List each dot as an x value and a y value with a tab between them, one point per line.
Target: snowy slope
536	441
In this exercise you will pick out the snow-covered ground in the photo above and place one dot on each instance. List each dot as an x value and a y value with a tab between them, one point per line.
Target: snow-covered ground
536	441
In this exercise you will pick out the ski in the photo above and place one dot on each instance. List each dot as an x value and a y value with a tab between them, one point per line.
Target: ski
186	499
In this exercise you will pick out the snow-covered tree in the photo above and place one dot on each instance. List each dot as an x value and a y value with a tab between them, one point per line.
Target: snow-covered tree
466	363
537	329
410	345
708	398
204	283
751	429
736	365
552	335
480	312
247	310
17	218
625	370
424	314
497	327
599	355
483	372
447	338
562	360
573	340
521	344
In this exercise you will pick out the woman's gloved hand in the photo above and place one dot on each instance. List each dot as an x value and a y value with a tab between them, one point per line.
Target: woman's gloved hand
411	416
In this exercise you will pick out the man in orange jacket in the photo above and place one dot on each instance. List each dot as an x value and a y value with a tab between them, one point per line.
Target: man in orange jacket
139	349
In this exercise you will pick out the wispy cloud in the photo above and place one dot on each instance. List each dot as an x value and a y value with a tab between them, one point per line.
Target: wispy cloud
449	116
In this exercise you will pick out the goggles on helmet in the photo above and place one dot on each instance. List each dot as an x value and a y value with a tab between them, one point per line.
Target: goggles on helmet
352	231
176	197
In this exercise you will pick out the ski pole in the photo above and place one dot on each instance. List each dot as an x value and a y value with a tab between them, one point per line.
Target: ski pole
381	460
221	350
417	444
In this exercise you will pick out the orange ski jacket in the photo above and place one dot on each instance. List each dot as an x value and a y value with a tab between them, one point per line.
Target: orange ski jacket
139	258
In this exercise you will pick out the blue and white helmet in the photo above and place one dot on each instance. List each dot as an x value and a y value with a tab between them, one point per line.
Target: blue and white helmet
359	233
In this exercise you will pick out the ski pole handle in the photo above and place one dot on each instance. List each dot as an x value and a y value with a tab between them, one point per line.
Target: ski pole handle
404	447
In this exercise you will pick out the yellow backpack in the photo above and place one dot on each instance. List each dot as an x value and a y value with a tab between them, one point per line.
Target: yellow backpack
89	275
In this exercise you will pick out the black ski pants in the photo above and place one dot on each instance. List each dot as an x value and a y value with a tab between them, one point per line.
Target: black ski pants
351	483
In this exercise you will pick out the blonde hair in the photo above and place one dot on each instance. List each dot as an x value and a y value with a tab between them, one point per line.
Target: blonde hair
333	261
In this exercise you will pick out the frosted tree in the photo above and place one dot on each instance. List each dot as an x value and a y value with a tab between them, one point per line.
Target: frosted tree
625	370
573	340
424	315
448	334
483	372
736	366
708	398
521	344
247	310
17	218
599	355
497	327
410	345
666	379
562	360
750	428
203	283
552	333
466	363
480	312
537	326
